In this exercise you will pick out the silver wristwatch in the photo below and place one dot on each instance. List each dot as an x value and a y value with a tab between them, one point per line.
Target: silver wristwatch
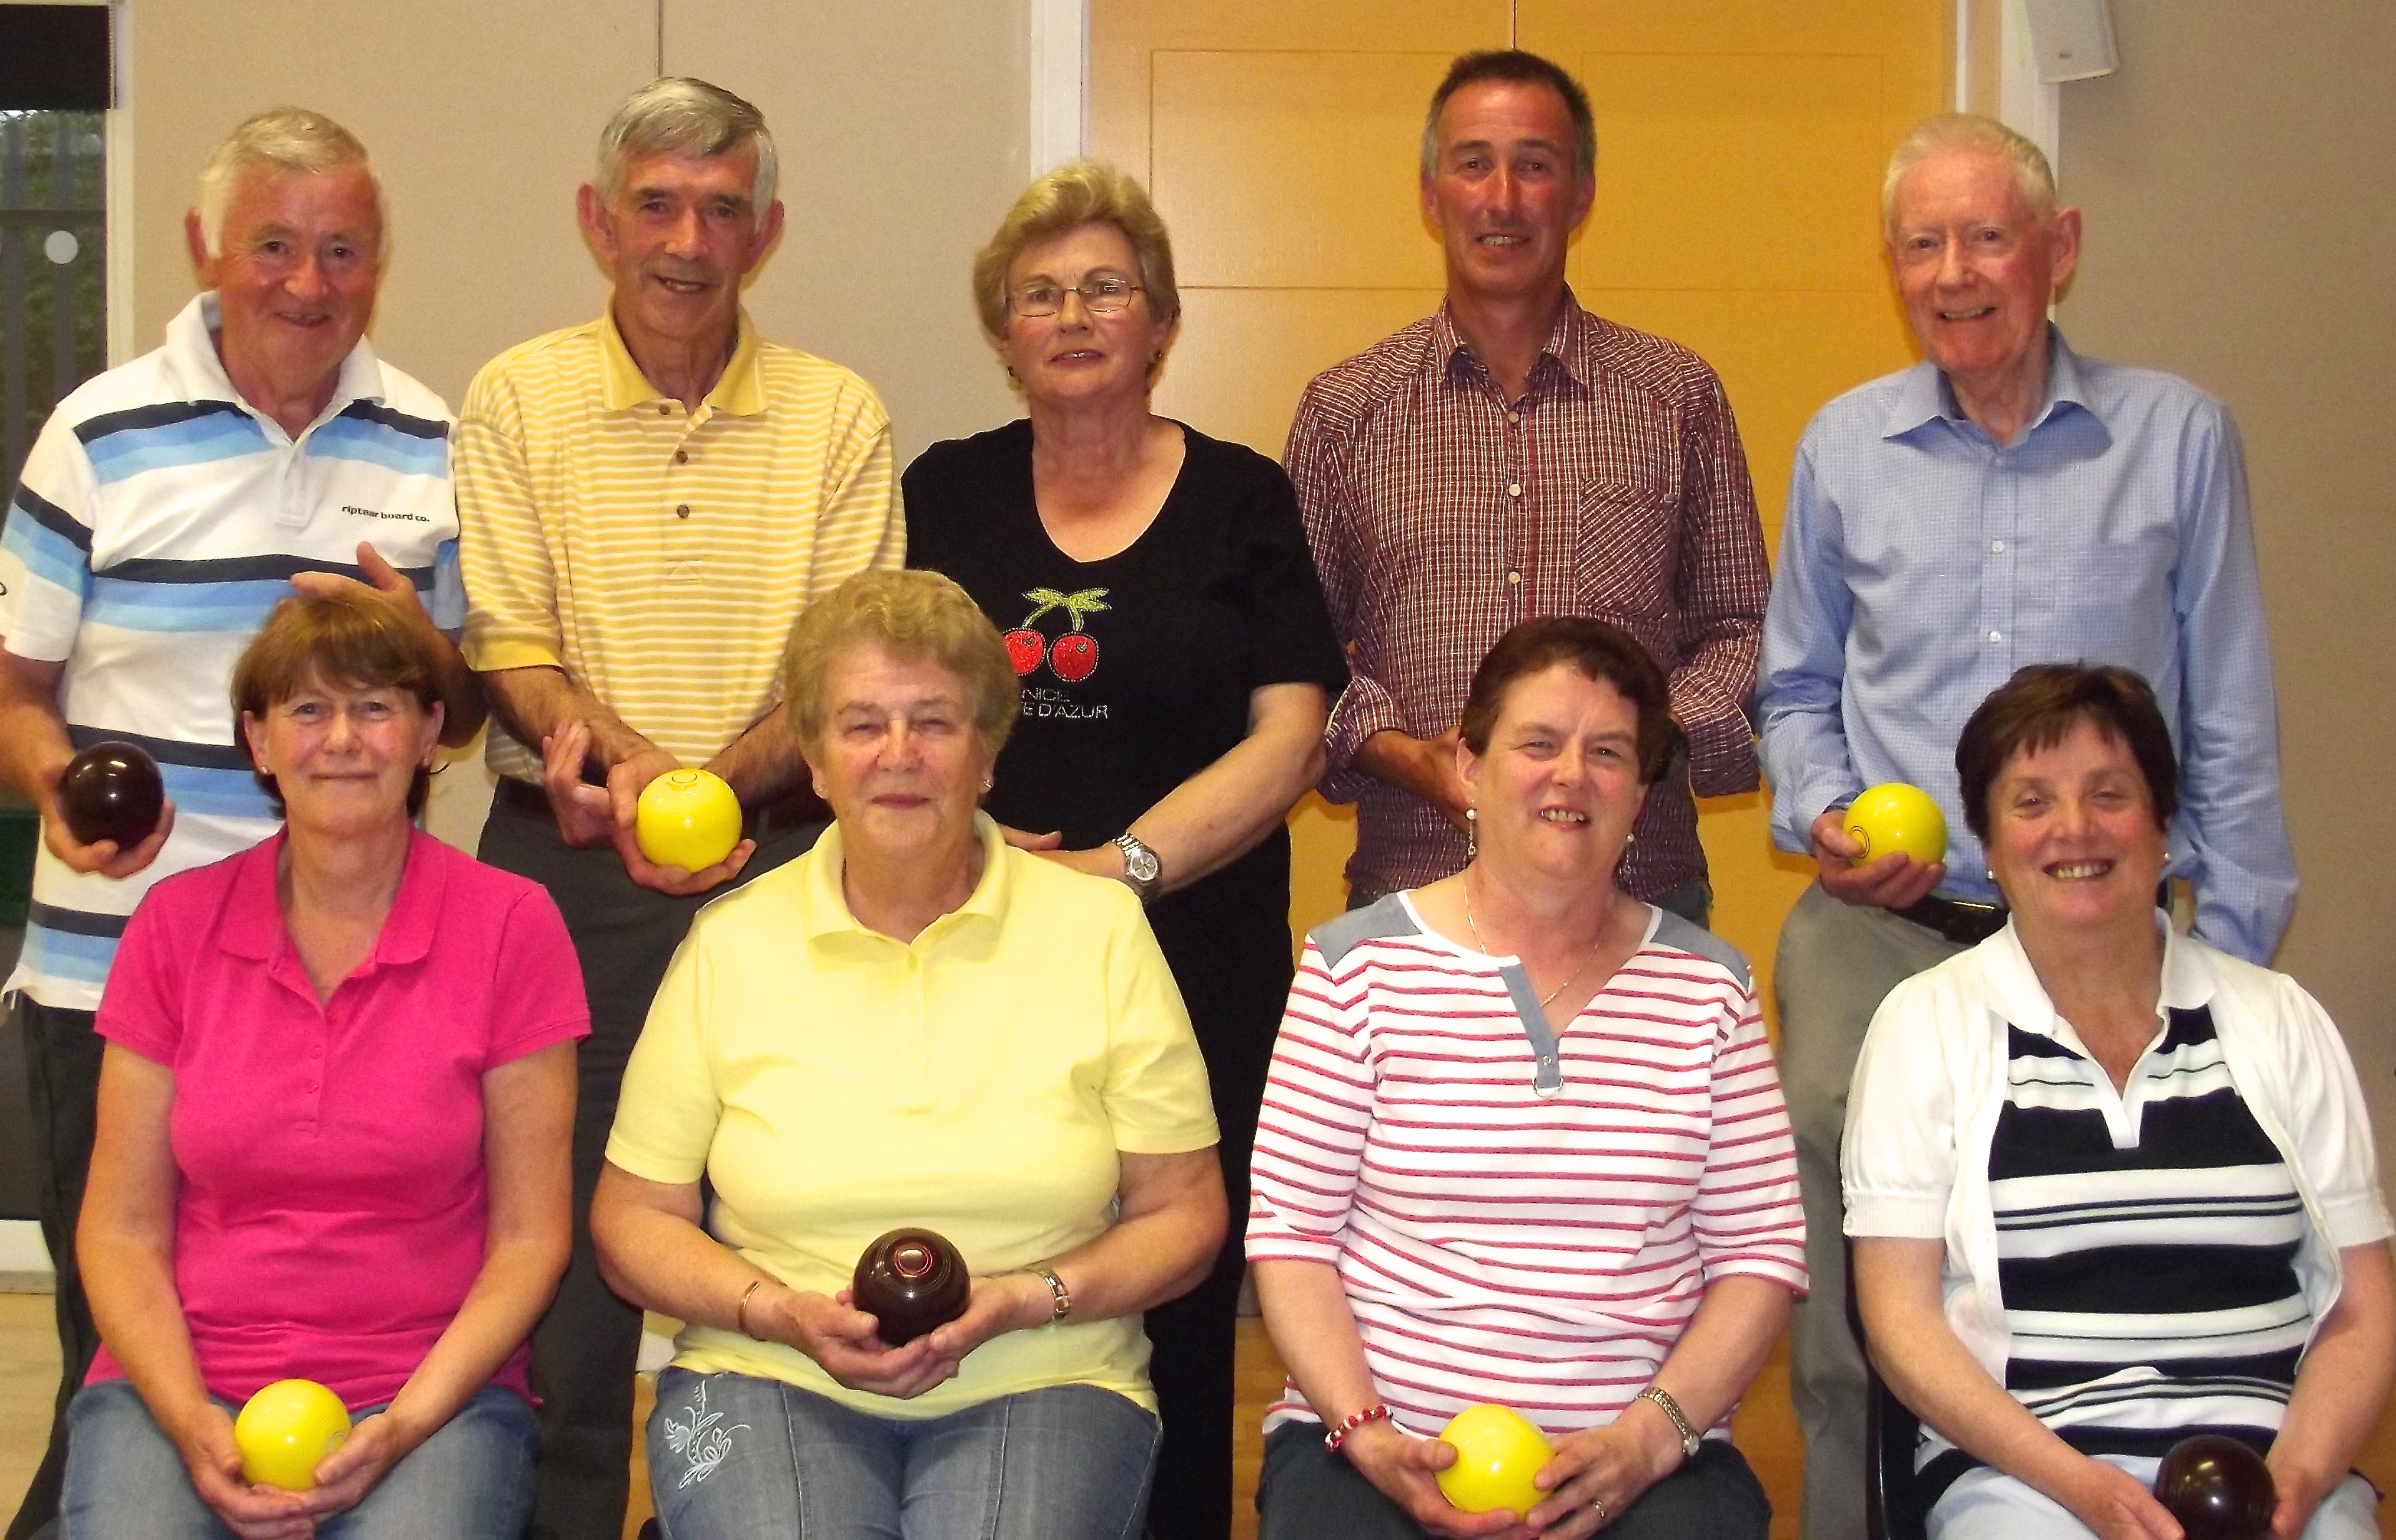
1691	1439
1141	869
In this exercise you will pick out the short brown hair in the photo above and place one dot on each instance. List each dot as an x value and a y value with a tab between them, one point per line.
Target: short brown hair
1522	68
2039	707
346	639
908	614
1601	653
1084	192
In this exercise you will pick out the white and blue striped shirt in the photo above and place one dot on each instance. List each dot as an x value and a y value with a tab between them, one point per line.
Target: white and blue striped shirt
2146	1249
1921	565
158	520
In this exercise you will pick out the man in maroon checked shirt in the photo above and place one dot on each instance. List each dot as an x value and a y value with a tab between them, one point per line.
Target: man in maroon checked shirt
1515	456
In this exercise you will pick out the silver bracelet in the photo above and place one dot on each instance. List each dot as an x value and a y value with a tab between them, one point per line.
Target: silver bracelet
1057	1290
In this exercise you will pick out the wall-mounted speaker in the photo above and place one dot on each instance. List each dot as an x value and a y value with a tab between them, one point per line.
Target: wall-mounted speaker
2070	39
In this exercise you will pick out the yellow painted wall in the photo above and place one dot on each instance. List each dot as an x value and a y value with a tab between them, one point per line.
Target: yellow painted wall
1740	153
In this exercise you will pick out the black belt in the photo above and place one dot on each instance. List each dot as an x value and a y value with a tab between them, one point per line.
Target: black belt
802	806
1962	923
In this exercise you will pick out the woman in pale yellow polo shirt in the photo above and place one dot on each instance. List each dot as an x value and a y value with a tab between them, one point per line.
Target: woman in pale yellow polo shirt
912	1024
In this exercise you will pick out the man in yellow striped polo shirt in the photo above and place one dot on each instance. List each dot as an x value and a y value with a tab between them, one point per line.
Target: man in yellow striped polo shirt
647	504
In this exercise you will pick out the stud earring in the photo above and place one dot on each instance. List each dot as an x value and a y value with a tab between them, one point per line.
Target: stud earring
1472	835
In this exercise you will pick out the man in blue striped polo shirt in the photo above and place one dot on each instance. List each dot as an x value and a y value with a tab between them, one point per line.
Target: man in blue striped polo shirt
165	510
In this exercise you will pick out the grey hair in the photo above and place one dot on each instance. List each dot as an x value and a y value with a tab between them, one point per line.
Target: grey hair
2032	175
288	140
679	115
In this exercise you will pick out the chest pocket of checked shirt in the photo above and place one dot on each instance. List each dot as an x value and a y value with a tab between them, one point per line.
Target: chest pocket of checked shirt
1626	543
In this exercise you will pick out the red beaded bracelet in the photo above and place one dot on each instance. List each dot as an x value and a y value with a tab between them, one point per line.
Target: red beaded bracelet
1378	1412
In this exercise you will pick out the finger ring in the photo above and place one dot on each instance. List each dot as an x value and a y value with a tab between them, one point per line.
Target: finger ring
1600	1506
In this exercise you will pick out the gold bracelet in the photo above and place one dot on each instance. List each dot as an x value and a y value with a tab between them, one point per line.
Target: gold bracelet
740	1311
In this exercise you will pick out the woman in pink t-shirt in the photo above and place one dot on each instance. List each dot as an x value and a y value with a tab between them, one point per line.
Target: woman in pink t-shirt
334	1116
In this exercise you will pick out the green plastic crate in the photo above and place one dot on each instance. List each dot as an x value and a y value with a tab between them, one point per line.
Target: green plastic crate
20	830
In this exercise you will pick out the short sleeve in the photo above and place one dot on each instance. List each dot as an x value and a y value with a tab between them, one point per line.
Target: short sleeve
2327	1123
1288	623
508	583
667	1112
142	1010
542	992
1315	1122
1747	1217
1155	1094
46	547
1899	1158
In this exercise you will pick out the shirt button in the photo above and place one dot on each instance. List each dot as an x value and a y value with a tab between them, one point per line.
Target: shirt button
664	410
315	1050
1996	636
1515	490
682	457
682	511
1513	577
1514	416
1996	545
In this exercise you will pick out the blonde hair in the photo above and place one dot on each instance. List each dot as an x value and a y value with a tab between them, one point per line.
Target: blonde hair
1969	131
282	141
914	615
679	115
1083	193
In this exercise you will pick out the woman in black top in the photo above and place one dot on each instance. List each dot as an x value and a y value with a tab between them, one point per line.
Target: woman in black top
1178	665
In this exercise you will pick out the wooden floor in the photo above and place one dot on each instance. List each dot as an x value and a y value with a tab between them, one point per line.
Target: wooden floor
28	1368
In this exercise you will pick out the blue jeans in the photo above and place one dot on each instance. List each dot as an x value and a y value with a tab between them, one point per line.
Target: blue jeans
736	1457
472	1480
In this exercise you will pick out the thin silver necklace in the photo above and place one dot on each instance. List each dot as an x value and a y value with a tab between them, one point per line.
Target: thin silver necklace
1550	997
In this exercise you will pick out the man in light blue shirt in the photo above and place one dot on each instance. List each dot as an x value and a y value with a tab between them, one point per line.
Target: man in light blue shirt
2003	502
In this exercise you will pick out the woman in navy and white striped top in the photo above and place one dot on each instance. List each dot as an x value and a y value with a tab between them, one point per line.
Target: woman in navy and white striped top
1523	1143
2110	1188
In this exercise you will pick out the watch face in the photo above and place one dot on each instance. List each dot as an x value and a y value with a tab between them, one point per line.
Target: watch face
1141	864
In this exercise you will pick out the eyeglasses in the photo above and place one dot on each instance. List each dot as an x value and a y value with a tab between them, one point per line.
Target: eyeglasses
1099	297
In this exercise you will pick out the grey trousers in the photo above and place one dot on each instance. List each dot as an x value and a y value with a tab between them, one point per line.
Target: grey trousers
1308	1492
586	1345
62	1057
1836	963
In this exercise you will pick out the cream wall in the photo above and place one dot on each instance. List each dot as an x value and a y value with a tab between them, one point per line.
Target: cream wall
2234	176
902	126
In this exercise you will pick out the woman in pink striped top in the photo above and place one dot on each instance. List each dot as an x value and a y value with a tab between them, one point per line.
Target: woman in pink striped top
1523	1143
